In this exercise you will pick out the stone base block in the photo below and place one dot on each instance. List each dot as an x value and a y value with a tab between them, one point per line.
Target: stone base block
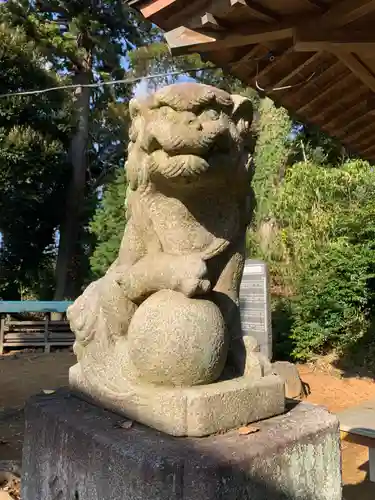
193	411
76	451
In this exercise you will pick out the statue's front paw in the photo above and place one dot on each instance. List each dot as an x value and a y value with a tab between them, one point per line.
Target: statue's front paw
189	276
193	286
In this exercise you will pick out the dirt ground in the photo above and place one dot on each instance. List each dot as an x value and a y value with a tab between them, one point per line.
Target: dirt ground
28	373
336	394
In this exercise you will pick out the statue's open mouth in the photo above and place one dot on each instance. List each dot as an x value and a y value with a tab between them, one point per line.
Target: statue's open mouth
177	166
190	168
217	157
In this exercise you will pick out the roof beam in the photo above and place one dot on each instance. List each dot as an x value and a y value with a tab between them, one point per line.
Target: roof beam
154	6
209	21
269	65
369	150
345	12
367	135
183	39
317	4
350	117
361	133
316	34
220	9
368	139
296	71
352	126
316	84
256	10
191	10
341	106
341	85
248	58
356	67
340	39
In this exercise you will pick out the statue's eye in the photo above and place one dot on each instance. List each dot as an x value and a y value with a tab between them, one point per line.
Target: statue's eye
210	114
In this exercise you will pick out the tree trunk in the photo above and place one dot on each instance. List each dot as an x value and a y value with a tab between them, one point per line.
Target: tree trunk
67	279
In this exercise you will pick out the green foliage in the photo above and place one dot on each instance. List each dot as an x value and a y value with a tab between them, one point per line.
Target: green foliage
79	42
314	145
327	235
33	170
271	155
335	295
108	224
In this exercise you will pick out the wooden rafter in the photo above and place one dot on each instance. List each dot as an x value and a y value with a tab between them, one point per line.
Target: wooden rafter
348	122
340	106
309	36
331	89
188	12
345	12
369	150
355	130
317	5
210	21
155	6
366	142
340	39
352	127
183	39
349	117
247	58
366	137
319	83
220	8
270	65
296	71
359	133
256	10
358	68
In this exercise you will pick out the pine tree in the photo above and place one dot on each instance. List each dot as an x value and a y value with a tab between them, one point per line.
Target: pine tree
86	40
33	169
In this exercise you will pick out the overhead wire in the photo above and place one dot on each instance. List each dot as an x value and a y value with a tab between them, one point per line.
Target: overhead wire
110	82
132	80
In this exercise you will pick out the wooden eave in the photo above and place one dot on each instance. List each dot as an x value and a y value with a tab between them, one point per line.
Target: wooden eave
314	57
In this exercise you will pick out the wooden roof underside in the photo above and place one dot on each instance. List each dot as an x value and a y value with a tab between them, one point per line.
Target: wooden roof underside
314	57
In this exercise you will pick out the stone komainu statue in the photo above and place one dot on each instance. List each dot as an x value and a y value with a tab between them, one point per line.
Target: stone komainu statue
164	320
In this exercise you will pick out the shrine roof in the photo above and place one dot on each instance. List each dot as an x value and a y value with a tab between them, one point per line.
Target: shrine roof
314	57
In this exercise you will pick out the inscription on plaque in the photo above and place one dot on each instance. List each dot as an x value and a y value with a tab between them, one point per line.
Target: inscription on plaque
255	304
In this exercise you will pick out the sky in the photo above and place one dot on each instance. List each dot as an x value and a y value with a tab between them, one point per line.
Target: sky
142	88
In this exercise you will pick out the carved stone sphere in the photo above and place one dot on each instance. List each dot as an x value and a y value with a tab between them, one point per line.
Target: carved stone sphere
177	341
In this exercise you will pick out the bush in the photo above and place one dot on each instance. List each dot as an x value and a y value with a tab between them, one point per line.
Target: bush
322	255
333	307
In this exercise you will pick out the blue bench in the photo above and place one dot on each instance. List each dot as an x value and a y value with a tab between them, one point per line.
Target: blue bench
35	306
37	333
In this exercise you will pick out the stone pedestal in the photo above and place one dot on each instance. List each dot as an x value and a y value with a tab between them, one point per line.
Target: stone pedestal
75	451
189	411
